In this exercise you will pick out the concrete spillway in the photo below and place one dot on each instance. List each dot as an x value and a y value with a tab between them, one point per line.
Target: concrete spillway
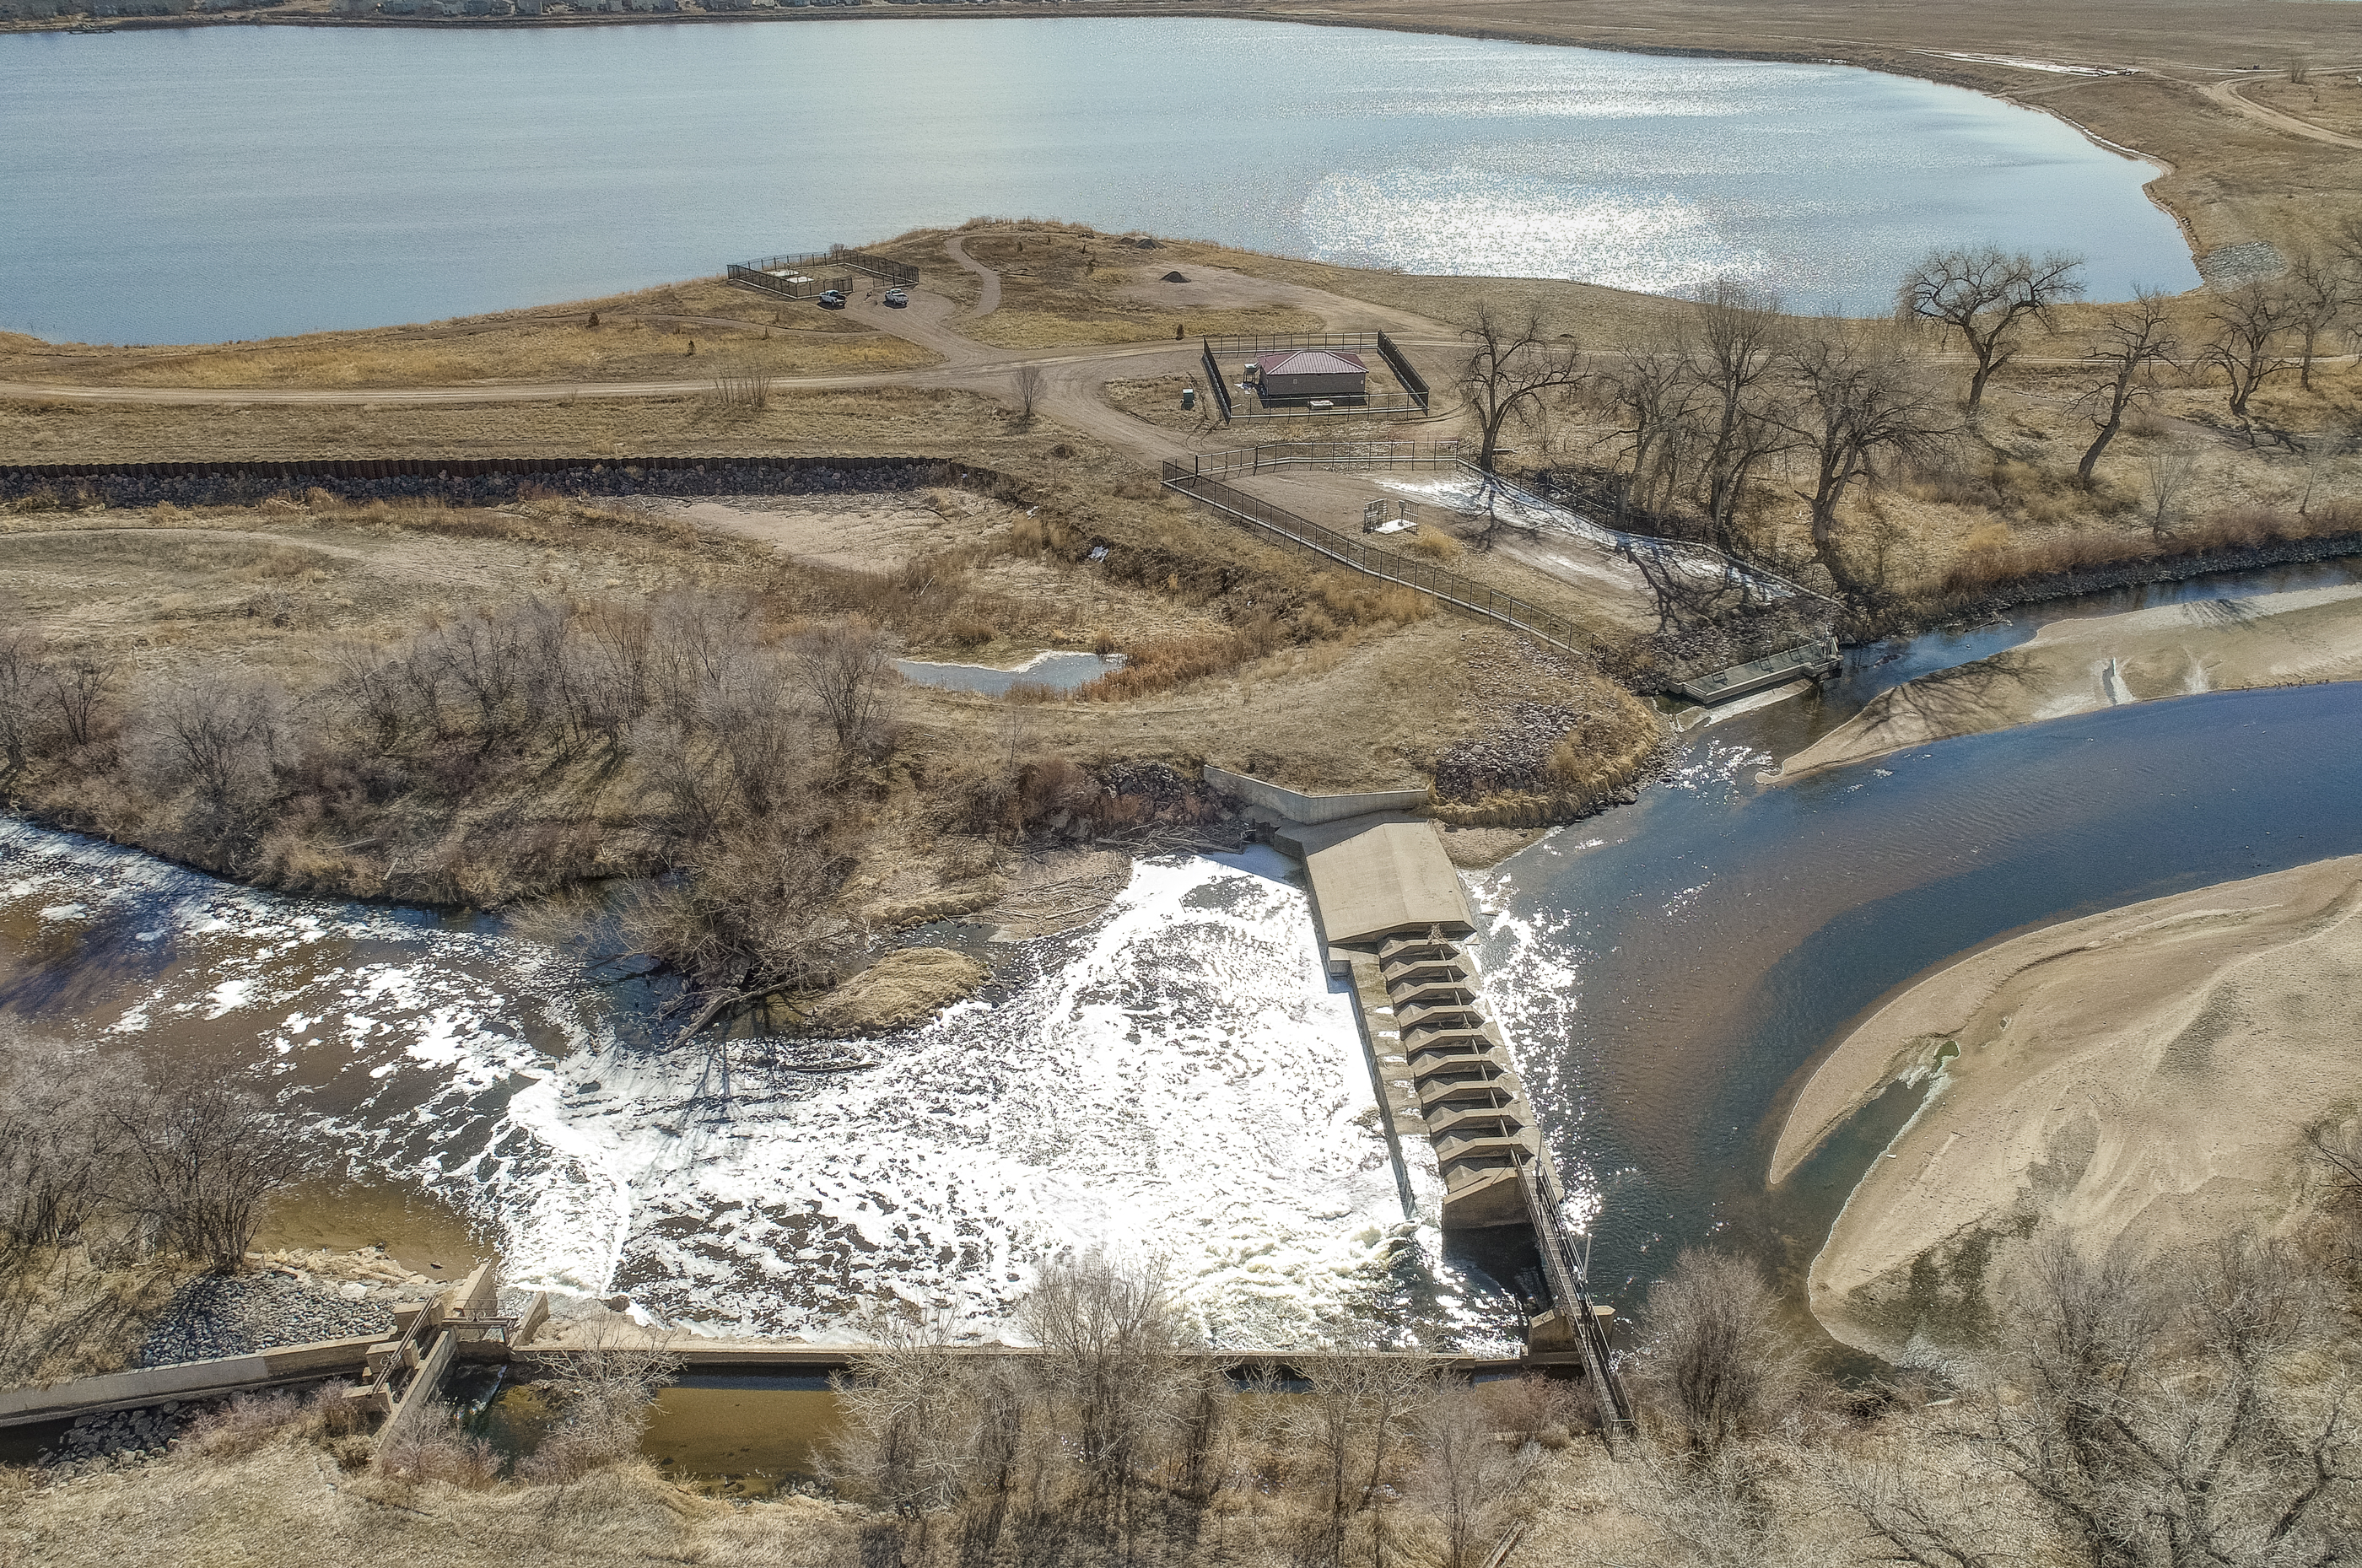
1393	918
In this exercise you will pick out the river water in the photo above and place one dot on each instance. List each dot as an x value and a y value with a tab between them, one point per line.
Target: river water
1670	971
1179	1079
174	186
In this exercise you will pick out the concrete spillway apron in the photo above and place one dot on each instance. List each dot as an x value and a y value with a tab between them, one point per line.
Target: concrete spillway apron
1393	918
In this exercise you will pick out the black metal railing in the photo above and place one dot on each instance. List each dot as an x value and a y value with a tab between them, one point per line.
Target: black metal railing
1571	1297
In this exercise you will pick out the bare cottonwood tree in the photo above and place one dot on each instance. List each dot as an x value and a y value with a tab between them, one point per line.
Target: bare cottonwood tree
846	665
1987	295
1514	364
1858	401
1734	344
2131	342
2244	341
1649	394
2318	295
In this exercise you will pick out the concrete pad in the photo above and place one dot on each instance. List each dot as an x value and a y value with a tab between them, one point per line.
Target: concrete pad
1392	877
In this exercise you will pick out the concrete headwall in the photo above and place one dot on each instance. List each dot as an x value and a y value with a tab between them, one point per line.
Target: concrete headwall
1298	807
188	1380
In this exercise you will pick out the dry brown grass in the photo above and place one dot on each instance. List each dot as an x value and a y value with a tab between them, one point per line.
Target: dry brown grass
286	1504
913	421
639	337
1064	284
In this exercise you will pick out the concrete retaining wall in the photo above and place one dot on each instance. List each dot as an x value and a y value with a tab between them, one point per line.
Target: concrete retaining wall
1298	807
188	1380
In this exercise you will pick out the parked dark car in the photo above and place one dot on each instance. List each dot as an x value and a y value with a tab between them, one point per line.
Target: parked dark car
832	299
898	298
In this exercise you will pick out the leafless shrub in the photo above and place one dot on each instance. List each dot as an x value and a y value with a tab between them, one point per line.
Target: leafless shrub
213	736
2165	481
845	665
1028	391
604	1390
243	1424
2173	1413
203	1158
743	389
1713	1361
443	1453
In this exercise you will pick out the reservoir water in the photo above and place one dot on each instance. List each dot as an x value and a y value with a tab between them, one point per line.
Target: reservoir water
192	185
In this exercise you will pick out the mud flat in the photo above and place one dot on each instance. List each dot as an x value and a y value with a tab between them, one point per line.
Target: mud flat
2143	1076
2075	667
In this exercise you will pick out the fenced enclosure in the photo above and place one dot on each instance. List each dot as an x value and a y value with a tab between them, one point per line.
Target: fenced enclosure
1409	396
1450	589
798	277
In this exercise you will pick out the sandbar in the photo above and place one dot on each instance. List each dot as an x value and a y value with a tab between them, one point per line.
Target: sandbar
2143	1076
2075	666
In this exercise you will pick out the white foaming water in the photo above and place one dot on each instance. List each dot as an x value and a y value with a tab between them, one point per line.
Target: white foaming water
1178	1081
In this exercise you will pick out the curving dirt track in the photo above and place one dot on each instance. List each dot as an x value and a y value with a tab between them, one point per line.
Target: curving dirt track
2227	93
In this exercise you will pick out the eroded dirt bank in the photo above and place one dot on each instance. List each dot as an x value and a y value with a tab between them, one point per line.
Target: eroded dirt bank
2143	1076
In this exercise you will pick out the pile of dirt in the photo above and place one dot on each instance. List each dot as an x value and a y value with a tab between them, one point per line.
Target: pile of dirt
1175	278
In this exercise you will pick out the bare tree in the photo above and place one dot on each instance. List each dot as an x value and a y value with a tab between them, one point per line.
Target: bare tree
1986	296
2131	342
1109	1335
1356	1421
2169	1414
1513	365
845	665
1712	1353
1858	402
203	1159
1649	394
2243	345
1735	344
1028	391
1467	1481
2317	295
2165	478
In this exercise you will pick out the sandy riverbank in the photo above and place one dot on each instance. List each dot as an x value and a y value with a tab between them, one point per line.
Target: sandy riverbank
2075	667
2145	1074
